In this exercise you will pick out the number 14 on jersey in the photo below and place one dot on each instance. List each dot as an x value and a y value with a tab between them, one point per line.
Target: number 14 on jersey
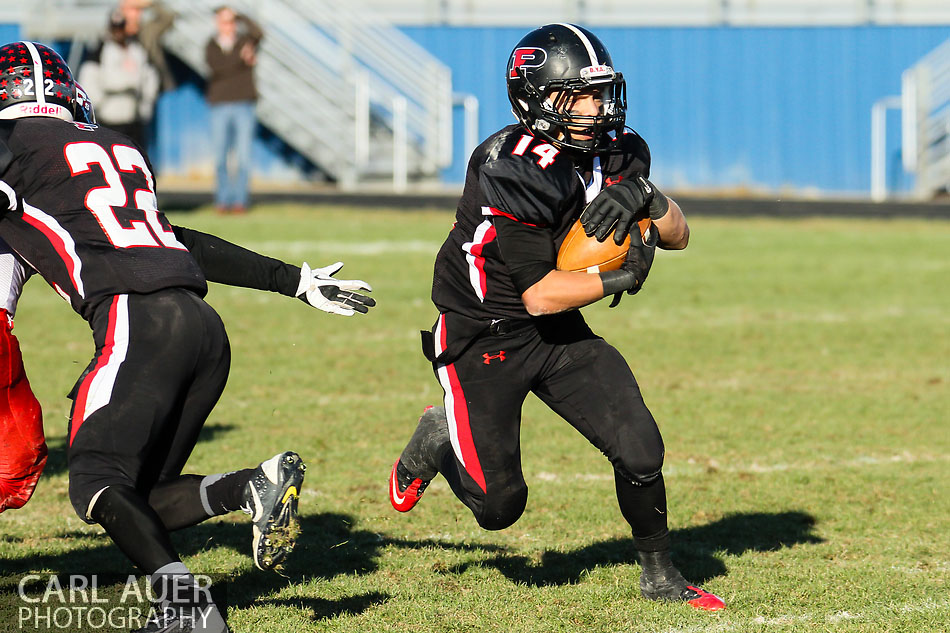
545	151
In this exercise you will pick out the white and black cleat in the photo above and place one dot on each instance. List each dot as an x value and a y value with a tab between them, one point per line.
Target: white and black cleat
271	499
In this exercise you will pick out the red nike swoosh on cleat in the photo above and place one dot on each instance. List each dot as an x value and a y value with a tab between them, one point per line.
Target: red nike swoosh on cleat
706	601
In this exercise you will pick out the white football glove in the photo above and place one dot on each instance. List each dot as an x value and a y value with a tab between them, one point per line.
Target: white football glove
319	289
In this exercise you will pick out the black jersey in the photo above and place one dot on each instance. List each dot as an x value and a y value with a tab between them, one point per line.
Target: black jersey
77	202
517	180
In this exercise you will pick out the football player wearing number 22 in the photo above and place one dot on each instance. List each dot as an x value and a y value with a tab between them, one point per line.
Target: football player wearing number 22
78	205
508	322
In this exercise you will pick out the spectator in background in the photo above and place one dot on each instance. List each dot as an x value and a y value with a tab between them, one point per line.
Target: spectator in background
231	55
148	30
121	82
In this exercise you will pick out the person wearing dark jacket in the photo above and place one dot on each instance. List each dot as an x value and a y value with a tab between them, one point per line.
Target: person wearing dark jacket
231	55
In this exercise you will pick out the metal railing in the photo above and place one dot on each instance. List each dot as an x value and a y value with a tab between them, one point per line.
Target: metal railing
348	91
925	101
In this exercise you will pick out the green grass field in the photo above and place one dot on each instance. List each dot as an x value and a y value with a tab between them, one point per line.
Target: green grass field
799	370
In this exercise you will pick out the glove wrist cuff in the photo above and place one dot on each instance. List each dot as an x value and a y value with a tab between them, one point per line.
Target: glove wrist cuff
615	281
659	206
305	281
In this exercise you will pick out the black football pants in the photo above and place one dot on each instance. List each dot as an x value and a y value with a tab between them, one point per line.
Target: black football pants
579	376
161	363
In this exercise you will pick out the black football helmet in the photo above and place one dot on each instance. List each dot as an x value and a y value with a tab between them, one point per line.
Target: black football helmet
550	65
35	81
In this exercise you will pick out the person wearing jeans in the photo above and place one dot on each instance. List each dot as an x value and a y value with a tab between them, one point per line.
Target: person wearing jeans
232	129
231	55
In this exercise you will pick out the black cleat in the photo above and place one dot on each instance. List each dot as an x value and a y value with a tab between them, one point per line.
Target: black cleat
660	580
419	461
271	500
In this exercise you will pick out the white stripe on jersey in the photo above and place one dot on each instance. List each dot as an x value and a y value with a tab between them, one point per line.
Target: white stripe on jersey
10	194
103	383
38	83
68	249
583	38
474	274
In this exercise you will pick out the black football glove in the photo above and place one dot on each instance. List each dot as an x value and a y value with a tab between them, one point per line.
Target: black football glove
633	272
618	207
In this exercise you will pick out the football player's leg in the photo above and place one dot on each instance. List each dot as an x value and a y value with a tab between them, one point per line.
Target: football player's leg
128	401
268	492
127	405
484	467
597	393
420	460
483	415
137	530
184	500
24	450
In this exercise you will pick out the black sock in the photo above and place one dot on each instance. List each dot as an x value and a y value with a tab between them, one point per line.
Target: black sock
134	527
221	494
644	508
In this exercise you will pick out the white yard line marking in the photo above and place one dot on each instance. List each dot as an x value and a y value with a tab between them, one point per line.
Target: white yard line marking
326	248
693	468
812	618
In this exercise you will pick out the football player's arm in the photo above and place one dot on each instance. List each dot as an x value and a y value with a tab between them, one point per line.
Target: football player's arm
529	254
562	290
226	263
671	224
230	264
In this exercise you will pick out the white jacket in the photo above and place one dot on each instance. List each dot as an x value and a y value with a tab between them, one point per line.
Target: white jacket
121	83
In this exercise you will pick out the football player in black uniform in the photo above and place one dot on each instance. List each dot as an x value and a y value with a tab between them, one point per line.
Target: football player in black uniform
77	204
508	321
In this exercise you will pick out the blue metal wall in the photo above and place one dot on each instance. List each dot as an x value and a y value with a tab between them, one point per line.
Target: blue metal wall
777	109
764	108
9	32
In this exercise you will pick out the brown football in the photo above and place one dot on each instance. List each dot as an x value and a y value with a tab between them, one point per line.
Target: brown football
585	254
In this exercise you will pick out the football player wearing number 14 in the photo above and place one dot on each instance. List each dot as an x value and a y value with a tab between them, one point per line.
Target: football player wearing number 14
77	204
508	322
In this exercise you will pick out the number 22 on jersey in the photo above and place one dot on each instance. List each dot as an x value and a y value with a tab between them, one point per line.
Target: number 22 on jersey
102	201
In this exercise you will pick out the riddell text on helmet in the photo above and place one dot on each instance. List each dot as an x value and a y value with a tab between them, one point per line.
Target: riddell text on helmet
36	108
